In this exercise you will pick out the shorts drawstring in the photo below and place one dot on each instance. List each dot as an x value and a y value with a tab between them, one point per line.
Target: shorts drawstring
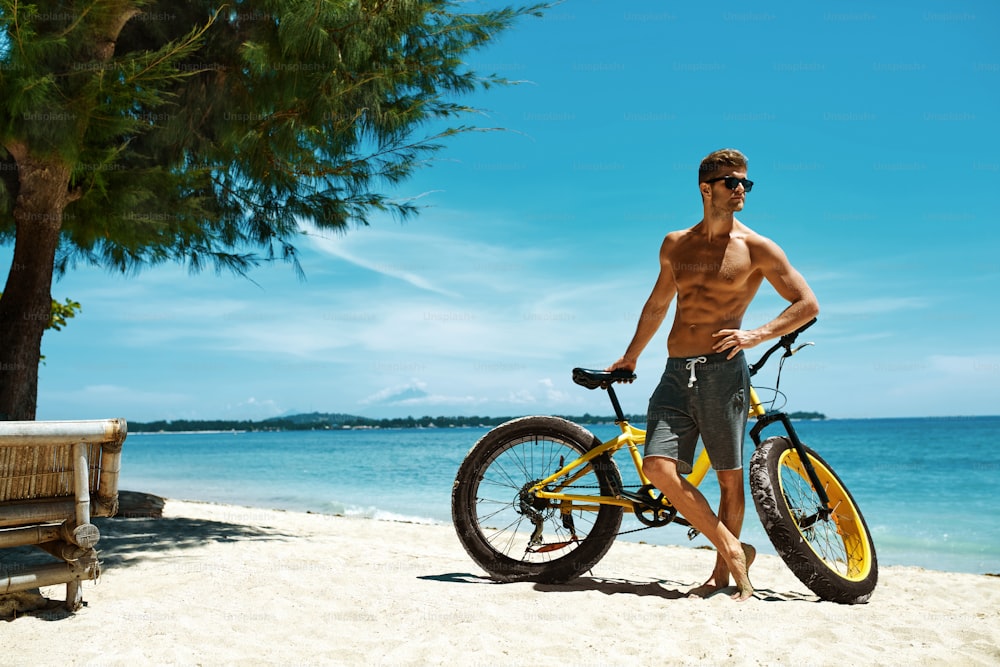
691	363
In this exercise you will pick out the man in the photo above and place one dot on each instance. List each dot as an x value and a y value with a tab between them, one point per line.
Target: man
714	269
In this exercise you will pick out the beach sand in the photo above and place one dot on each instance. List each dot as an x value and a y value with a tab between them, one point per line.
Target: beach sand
217	584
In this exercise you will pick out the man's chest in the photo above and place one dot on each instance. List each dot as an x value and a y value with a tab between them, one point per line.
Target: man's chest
711	264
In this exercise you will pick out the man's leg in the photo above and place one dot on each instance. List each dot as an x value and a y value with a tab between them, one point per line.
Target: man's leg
723	388
732	504
690	502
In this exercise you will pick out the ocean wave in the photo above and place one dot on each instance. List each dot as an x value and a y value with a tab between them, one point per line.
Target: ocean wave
370	512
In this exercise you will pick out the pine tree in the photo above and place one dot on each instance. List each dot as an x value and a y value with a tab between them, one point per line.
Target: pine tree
137	132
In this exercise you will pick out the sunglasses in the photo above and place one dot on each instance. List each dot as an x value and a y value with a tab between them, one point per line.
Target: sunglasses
732	182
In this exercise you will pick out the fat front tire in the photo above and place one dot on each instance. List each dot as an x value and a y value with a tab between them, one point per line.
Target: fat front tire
834	557
515	536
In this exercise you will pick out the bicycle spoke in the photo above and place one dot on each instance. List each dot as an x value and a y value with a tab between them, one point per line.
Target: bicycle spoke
498	502
503	522
822	534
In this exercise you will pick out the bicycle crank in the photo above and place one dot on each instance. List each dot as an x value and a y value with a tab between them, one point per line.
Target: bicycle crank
651	507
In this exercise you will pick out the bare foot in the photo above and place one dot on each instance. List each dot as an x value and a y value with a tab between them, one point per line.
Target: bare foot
744	589
715	583
708	588
720	577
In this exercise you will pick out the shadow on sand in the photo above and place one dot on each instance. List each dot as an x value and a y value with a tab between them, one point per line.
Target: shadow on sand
124	542
668	590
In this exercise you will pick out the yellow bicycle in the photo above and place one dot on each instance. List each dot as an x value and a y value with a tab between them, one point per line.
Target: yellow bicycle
541	498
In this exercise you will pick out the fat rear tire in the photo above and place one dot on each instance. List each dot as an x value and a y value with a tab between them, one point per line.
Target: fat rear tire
495	519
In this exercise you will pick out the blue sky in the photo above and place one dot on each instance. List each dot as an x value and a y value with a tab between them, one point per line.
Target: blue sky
872	133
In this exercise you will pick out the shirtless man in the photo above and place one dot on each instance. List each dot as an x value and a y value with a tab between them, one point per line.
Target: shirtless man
714	269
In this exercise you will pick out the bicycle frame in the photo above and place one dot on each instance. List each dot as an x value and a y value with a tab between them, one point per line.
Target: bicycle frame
631	438
551	487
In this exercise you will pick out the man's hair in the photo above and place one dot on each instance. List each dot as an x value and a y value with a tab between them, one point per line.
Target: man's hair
725	159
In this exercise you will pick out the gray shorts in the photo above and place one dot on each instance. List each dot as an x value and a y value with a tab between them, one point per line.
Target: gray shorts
706	396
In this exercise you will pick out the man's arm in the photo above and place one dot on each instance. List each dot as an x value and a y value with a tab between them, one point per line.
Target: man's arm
787	282
653	312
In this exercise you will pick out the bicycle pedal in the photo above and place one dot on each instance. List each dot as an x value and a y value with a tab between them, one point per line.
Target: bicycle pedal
693	533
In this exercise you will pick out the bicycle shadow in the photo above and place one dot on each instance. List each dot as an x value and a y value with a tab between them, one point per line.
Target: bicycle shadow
600	584
663	588
669	590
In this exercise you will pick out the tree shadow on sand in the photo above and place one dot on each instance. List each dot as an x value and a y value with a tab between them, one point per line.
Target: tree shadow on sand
129	541
139	532
126	541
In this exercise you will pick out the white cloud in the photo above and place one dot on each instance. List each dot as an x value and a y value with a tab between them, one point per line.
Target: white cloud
257	407
552	394
520	397
396	394
415	394
339	247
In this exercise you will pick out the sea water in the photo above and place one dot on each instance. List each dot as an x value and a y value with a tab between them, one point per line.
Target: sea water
928	487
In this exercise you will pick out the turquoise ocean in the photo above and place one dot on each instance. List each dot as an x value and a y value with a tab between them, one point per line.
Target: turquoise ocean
929	488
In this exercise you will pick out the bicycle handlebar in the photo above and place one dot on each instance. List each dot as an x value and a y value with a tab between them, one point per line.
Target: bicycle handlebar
786	342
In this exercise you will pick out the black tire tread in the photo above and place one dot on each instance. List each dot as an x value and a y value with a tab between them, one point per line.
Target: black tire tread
784	534
591	549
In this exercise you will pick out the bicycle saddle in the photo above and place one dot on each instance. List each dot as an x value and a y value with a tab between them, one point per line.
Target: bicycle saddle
592	379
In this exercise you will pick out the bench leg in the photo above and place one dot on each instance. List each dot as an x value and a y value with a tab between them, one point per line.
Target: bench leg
74	595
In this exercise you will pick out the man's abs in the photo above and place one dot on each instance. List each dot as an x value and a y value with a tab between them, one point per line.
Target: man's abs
704	307
692	340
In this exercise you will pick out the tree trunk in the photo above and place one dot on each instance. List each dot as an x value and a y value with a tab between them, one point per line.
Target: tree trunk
26	304
42	196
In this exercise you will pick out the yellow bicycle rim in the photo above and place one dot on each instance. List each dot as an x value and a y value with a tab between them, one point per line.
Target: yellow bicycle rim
853	561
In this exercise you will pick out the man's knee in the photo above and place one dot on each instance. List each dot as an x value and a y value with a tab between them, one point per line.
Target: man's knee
731	483
732	479
661	471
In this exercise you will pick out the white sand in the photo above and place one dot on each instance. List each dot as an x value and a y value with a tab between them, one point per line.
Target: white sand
217	585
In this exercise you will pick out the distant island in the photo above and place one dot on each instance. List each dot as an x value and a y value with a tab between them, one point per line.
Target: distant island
319	421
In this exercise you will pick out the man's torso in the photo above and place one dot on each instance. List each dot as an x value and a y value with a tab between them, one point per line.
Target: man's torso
715	279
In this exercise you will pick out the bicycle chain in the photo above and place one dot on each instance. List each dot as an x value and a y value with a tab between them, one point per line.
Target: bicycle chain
621	532
634	530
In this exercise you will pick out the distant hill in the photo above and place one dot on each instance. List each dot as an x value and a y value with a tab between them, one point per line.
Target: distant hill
300	422
806	415
314	418
318	421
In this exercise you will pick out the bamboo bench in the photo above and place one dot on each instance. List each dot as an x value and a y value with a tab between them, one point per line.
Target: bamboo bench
55	476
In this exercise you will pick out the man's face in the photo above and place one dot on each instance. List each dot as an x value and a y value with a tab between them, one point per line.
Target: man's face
724	198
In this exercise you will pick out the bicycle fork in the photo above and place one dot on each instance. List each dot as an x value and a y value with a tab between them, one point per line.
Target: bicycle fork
765	420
